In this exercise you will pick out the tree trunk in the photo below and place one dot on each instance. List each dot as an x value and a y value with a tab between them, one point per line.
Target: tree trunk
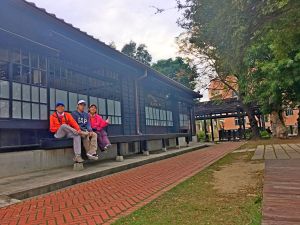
252	120
298	120
278	128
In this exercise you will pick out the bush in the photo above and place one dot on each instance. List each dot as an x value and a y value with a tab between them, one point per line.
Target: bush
265	135
201	136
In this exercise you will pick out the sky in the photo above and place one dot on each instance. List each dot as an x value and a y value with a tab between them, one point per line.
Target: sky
123	20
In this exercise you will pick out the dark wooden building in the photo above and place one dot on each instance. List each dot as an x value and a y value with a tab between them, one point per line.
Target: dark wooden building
44	60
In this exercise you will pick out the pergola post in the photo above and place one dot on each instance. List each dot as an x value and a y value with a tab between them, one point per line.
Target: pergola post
244	127
205	130
212	130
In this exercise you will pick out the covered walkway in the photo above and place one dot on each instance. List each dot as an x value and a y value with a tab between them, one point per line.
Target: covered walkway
219	109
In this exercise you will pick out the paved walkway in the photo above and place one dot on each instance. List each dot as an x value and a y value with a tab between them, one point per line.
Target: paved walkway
48	180
281	194
103	200
277	151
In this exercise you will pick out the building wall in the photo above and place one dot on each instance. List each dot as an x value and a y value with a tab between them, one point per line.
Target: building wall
43	61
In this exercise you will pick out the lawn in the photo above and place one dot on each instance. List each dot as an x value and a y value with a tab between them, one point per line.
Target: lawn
198	201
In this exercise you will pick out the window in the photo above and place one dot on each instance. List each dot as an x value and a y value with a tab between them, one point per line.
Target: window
29	68
4	70
4	108
62	96
4	89
73	99
100	103
58	96
114	111
289	112
158	117
4	55
29	102
4	99
170	119
184	120
70	100
101	106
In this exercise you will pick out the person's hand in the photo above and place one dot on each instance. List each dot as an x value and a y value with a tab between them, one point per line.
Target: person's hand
107	120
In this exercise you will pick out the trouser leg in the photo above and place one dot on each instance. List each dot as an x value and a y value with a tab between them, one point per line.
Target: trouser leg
90	143
93	143
99	140
104	138
67	131
76	143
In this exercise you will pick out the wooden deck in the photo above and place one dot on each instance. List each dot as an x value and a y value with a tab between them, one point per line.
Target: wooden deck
277	151
281	194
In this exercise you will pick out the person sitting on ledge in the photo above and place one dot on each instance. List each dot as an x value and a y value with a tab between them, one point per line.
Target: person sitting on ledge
89	138
63	125
98	124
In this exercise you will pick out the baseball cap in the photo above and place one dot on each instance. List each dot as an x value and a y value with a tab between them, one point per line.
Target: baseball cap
60	104
81	102
92	105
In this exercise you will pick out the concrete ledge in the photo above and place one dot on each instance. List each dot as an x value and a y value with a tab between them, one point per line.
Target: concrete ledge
119	158
36	183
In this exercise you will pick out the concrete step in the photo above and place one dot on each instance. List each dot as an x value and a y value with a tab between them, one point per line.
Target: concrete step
40	182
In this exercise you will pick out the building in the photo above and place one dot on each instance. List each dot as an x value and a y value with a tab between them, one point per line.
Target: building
44	60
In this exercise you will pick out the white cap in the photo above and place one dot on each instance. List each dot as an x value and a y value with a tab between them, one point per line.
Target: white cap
81	102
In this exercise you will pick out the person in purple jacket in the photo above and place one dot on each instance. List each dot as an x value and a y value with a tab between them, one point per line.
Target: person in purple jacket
89	138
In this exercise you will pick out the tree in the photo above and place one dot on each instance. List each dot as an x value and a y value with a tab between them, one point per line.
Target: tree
178	70
143	55
139	53
219	33
275	73
129	49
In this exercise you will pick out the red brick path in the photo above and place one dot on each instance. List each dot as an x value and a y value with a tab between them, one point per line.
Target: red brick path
103	200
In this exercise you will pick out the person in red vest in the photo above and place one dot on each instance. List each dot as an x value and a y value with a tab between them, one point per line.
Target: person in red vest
62	124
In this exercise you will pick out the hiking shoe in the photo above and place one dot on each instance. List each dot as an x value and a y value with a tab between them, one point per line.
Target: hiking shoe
107	147
78	159
92	156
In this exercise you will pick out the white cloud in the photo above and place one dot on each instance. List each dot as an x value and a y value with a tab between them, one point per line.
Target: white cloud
122	21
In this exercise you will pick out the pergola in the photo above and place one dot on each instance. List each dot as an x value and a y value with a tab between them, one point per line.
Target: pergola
219	109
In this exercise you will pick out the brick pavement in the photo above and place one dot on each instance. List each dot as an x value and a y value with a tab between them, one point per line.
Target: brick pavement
103	200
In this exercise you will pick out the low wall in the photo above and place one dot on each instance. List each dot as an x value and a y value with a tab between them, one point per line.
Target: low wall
15	163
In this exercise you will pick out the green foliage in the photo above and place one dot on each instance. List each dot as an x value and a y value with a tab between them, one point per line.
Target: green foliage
139	53
201	136
178	70
265	135
274	59
223	30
